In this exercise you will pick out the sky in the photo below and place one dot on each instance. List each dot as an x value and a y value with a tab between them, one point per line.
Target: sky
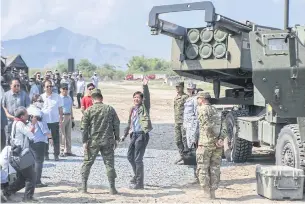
124	22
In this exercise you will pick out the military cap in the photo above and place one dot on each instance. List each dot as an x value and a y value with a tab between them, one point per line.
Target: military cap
96	91
64	74
190	85
180	83
64	85
204	95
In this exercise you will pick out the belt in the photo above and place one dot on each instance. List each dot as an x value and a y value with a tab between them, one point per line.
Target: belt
139	132
66	113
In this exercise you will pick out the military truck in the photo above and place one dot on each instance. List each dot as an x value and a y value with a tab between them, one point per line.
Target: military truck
263	68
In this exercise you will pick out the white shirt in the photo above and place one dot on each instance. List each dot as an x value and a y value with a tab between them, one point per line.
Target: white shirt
21	134
34	90
95	80
80	86
4	162
50	109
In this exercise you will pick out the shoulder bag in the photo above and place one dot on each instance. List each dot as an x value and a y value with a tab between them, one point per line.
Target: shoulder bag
21	158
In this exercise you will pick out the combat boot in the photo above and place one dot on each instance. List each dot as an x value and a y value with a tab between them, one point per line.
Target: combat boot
84	186
212	194
113	190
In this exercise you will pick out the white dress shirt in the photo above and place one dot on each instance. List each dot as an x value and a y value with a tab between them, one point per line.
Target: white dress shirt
80	86
50	109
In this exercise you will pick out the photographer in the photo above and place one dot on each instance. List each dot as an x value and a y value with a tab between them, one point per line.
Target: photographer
20	136
41	136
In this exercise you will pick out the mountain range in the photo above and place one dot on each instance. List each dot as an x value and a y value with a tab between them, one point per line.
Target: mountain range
47	48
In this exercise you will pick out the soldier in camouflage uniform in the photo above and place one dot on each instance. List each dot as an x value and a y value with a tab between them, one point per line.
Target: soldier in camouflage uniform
179	109
209	151
101	133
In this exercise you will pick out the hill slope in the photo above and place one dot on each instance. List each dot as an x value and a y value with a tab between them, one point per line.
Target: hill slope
46	48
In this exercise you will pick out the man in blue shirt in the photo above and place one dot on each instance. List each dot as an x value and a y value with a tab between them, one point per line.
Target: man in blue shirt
66	127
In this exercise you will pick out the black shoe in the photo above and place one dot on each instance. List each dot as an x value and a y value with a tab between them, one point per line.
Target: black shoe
41	185
137	187
70	155
133	180
179	161
56	158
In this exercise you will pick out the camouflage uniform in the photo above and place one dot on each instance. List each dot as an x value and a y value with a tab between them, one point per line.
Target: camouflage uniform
101	128
178	109
208	155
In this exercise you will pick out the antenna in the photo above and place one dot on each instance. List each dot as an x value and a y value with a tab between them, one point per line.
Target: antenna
286	14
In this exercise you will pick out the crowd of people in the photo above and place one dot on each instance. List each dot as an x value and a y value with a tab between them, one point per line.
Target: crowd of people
30	122
34	118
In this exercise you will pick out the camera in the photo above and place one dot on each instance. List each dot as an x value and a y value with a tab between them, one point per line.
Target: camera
37	117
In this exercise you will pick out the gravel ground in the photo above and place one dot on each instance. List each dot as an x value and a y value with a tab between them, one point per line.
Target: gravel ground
160	170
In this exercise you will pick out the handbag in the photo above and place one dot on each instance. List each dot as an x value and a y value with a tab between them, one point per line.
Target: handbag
21	158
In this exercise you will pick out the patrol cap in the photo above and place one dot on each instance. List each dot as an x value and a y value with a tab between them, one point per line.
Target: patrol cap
96	92
205	95
180	83
190	85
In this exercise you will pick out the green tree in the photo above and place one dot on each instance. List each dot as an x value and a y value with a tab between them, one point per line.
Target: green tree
152	65
86	67
61	67
107	70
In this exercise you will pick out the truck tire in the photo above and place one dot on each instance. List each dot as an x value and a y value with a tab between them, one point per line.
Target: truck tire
236	150
290	150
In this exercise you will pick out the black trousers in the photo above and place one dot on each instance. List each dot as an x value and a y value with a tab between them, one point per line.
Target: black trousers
54	127
79	96
3	138
136	153
38	149
25	178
